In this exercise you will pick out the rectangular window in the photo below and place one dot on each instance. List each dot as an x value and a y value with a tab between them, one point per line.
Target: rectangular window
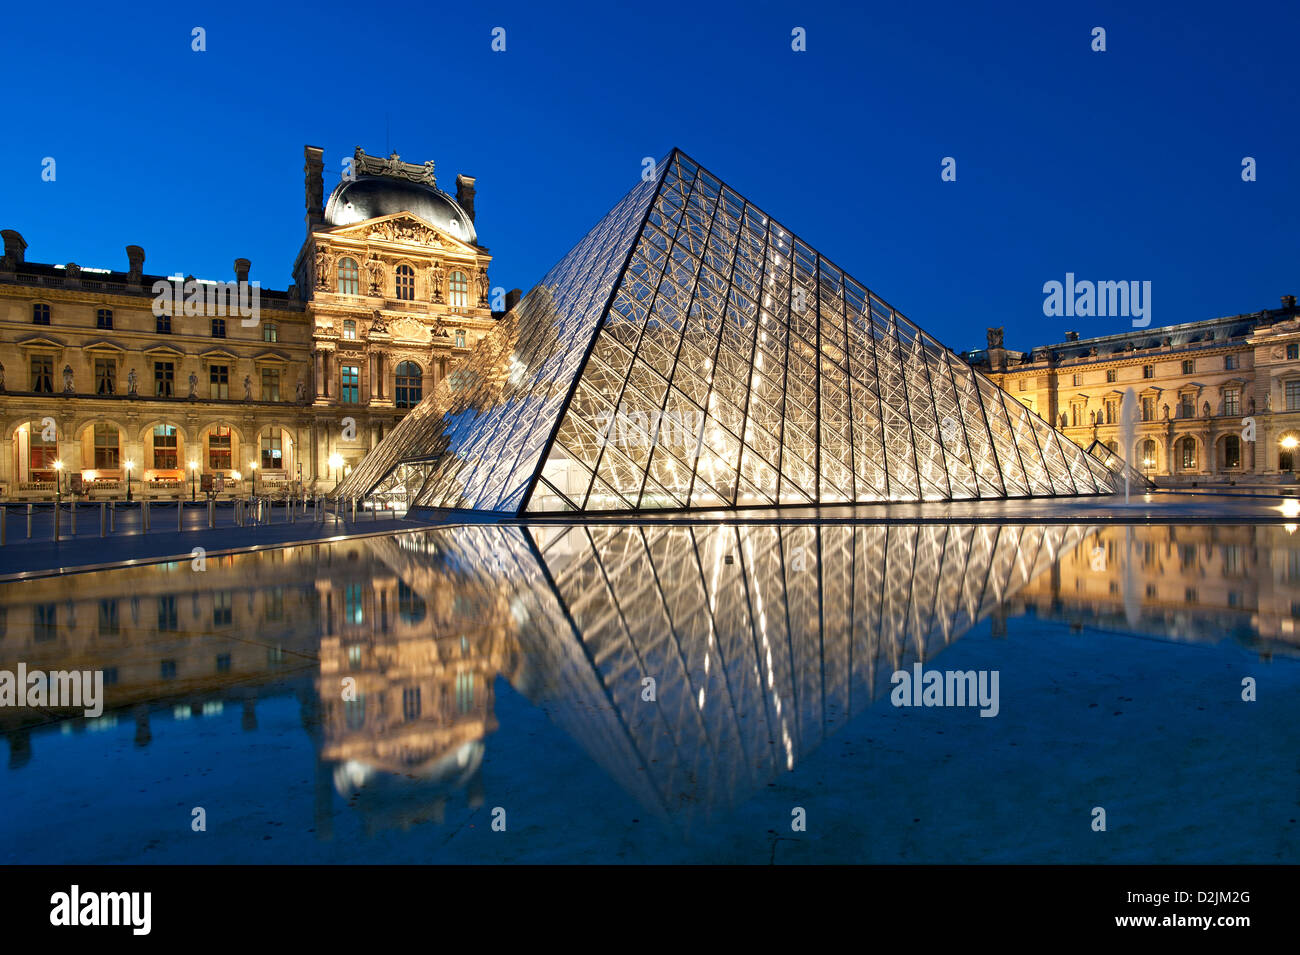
219	449
107	448
1293	396
411	703
219	380
109	625
41	453
349	328
163	324
1292	352
104	318
1186	406
272	452
40	314
164	374
43	374
1112	412
1112	374
218	328
460	339
1148	371
1148	409
1229	362
164	447
1232	401
1077	380
1189	366
168	619
1022	384
46	623
353	608
222	612
105	376
270	332
1076	414
270	384
351	384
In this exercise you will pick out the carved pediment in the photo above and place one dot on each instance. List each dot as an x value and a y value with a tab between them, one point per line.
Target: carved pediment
405	228
408	329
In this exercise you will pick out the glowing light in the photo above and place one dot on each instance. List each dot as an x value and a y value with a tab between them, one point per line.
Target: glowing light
1291	507
58	465
130	465
236	476
336	460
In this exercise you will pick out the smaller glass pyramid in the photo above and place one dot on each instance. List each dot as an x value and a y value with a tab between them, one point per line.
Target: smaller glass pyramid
691	353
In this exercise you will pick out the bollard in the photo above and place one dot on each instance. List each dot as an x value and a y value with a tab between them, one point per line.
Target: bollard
212	514
288	508
73	509
29	522
103	519
144	511
180	515
4	523
57	515
112	517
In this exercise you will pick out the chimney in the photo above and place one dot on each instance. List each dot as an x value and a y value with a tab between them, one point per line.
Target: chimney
135	257
1071	336
15	248
314	170
1288	301
465	194
241	269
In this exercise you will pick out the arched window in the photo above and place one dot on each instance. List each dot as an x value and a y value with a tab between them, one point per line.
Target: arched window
164	447
1232	451
108	447
1186	449
458	290
410	387
405	278
42	452
348	275
1148	455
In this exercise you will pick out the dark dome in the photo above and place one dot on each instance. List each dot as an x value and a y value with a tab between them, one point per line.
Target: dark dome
370	197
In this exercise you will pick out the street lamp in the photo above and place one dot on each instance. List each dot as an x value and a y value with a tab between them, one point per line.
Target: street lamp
253	467
129	466
58	478
194	467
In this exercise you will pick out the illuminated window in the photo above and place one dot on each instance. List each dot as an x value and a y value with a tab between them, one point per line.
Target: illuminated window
1293	352
405	280
350	380
272	452
42	452
460	338
348	276
349	328
458	290
353	607
409	386
1187	454
270	332
1232	451
164	447
1148	455
1232	401
107	447
219	449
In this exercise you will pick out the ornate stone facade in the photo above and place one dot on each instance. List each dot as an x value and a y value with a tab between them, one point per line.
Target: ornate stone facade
382	306
1195	385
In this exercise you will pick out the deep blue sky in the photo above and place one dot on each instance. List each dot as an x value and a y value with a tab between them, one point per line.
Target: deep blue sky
1117	165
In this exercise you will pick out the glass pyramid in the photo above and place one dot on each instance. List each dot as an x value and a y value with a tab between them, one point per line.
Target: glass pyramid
690	352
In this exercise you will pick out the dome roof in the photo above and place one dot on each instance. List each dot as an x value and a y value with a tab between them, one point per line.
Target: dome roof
370	197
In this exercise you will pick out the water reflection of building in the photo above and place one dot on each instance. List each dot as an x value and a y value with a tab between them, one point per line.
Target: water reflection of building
1199	582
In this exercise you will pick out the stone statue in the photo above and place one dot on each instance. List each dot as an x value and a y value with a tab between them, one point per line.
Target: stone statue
322	268
1206	409
1165	412
1268	403
300	391
67	380
482	286
131	382
2	376
1251	404
995	337
248	388
436	275
194	385
376	270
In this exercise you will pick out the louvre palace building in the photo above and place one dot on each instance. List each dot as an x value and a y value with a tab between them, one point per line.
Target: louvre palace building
103	381
1196	384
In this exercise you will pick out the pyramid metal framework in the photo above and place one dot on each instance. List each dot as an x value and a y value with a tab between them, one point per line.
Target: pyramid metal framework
692	353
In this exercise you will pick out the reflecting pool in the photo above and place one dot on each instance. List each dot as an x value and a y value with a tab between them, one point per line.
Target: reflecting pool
671	693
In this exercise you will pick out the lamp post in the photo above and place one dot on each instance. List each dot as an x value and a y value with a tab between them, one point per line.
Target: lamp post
58	481
194	470
129	466
253	467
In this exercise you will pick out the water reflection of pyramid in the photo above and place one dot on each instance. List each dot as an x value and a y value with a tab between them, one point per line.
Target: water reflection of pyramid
692	353
762	640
